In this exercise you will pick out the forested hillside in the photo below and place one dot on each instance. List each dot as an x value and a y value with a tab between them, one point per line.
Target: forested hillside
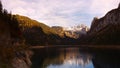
11	38
36	33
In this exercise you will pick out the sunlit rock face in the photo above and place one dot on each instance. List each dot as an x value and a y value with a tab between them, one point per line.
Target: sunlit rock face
72	32
105	30
76	31
59	30
81	29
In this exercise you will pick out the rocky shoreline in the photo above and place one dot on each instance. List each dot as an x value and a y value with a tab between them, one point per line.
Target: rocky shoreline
22	59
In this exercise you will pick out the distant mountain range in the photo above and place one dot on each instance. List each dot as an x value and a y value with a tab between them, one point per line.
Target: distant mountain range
105	30
73	32
37	33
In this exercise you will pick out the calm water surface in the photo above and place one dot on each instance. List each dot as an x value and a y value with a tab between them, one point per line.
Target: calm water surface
75	58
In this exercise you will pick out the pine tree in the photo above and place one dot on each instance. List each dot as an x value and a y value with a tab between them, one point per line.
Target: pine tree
1	7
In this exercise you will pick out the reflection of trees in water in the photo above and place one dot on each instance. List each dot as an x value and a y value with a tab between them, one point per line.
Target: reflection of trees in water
70	56
74	57
55	58
110	59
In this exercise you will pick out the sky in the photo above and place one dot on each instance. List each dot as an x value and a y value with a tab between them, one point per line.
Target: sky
61	12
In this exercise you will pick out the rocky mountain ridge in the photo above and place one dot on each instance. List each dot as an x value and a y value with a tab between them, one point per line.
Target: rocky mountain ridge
105	30
72	32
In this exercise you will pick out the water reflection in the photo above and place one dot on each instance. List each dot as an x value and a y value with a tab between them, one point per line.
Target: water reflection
75	58
106	59
69	58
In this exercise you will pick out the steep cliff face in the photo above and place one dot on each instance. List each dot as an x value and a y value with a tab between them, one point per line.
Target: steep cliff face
111	18
106	30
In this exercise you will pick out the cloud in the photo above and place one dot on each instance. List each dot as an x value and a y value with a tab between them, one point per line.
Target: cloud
61	12
101	7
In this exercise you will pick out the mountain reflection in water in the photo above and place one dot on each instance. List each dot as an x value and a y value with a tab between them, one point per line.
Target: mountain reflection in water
67	58
72	58
75	58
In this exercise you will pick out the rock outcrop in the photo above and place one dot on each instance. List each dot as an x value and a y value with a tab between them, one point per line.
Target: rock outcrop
22	59
105	30
72	32
59	30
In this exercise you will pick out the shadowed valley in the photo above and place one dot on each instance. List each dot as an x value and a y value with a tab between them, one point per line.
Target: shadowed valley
27	43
